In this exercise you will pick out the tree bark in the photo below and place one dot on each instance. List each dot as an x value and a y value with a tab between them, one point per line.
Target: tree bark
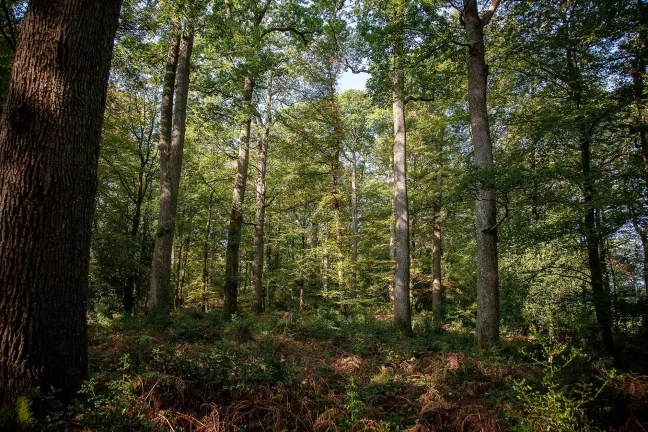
601	296
354	223
49	147
638	79
437	287
259	218
402	310
230	303
487	332
208	230
325	265
160	281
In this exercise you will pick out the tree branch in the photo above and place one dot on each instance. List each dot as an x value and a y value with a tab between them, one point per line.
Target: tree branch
418	99
288	29
486	17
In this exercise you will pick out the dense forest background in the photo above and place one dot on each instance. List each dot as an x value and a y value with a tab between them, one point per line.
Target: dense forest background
461	246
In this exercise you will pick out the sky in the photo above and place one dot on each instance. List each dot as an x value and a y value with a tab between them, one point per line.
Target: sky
349	80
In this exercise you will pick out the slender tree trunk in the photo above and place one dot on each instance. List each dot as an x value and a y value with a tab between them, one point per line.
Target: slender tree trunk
437	287
402	310
208	230
601	296
183	278
158	297
638	80
232	259
354	224
259	218
176	295
487	332
325	265
302	283
49	148
129	289
392	252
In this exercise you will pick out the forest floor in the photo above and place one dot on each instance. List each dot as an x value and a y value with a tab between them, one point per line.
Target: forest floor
325	372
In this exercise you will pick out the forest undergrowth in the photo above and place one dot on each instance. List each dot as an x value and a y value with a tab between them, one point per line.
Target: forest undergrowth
323	371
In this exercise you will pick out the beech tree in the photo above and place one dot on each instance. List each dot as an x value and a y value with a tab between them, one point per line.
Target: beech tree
49	147
487	333
171	150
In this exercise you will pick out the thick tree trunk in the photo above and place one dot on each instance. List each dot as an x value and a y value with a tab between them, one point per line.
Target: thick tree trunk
402	310
49	147
232	262
354	224
487	332
159	281
259	218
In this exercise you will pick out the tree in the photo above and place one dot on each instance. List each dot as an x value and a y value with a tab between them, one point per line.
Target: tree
170	168
259	218
487	333
49	148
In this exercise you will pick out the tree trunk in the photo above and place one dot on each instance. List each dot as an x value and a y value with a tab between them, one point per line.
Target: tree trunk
182	274
402	311
601	297
49	147
325	265
230	303
129	289
176	295
487	332
437	287
354	224
259	218
206	253
638	74
159	281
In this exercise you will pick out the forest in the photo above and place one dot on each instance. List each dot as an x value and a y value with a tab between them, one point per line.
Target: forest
323	215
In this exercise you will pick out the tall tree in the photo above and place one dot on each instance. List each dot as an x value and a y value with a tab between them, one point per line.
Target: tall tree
402	310
49	147
230	303
170	168
487	333
259	219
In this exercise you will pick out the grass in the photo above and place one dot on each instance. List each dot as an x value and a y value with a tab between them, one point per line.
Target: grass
322	371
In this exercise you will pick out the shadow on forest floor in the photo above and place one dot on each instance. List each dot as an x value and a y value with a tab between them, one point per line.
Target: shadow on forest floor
321	371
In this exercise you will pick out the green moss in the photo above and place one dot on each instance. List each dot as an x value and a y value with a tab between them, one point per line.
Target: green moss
24	412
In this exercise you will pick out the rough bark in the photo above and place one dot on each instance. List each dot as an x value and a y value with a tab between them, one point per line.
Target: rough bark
49	148
159	282
487	332
259	217
402	310
230	303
